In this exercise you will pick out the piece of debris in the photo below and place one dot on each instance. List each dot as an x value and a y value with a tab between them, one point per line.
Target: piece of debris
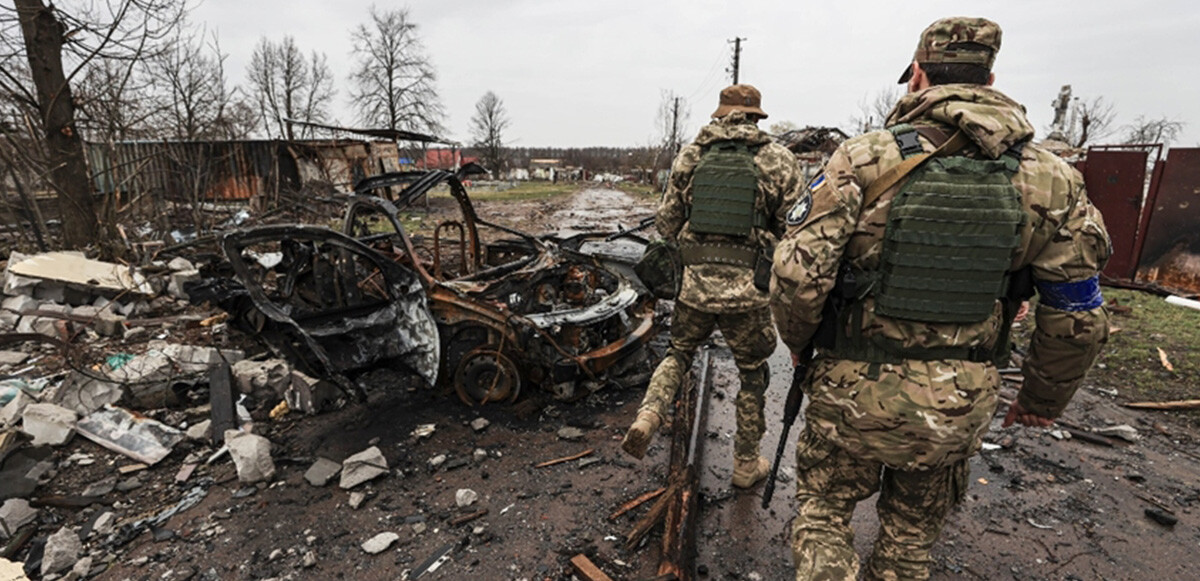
309	560
10	414
280	410
480	424
628	506
466	518
379	543
990	447
437	461
1124	431
423	431
200	431
138	437
61	552
131	483
357	499
131	468
1035	525
1162	358
435	561
570	434
322	471
49	424
586	570
14	514
363	466
1161	517
465	497
1182	302
220	392
185	472
10	571
70	268
104	523
582	454
1060	434
12	357
1187	404
479	455
251	455
101	487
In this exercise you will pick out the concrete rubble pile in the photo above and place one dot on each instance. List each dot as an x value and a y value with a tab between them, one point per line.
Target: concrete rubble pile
116	355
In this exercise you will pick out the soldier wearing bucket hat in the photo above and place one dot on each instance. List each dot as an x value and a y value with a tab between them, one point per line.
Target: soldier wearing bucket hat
726	206
917	246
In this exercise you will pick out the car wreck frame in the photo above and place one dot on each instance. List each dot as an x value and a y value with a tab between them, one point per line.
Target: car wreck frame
483	319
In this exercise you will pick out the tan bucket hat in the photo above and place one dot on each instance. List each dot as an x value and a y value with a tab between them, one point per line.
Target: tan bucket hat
744	98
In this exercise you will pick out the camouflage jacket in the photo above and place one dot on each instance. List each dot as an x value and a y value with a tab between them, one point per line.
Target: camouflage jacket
718	288
929	413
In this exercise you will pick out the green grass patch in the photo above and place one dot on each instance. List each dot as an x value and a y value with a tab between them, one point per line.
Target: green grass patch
1131	364
501	191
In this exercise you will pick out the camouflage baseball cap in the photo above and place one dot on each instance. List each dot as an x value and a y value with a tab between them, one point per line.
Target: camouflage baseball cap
954	30
744	98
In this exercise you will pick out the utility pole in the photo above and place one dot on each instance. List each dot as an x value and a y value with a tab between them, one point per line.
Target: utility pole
675	128
737	58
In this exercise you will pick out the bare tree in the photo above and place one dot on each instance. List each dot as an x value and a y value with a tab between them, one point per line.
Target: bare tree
191	77
487	130
57	44
872	114
286	86
392	84
672	119
1091	121
1156	130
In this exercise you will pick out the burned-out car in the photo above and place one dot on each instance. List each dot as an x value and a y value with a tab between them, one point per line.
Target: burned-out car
467	304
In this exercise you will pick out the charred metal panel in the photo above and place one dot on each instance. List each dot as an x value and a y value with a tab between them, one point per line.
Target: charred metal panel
1115	182
1171	253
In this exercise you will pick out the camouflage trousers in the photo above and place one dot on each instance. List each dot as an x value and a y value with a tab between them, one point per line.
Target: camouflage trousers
751	337
912	509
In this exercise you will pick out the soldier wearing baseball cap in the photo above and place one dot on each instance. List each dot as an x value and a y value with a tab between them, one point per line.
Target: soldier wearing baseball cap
909	258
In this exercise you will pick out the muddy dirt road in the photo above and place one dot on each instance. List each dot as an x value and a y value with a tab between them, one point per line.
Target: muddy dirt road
1039	507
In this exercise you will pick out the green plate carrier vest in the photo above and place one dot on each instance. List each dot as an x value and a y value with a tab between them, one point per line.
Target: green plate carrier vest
724	188
950	236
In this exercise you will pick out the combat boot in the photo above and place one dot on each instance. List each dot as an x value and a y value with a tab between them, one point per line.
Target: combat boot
637	439
747	473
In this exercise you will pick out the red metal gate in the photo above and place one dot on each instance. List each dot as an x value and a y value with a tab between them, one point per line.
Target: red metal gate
1116	181
1170	253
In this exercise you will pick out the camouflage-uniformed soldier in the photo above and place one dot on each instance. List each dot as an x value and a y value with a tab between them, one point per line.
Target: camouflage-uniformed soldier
906	295
726	207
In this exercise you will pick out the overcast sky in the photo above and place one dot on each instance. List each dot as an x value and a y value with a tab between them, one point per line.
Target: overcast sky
580	73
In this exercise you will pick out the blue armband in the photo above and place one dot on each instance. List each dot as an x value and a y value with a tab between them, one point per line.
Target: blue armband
1083	295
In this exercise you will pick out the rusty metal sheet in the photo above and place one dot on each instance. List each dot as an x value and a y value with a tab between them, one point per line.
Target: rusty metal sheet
1170	256
1116	181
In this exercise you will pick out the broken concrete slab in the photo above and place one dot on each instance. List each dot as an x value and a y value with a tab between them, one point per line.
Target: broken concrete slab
11	413
13	357
19	304
101	487
379	543
357	499
465	497
195	358
86	394
48	424
200	431
180	263
109	324
251	455
61	552
10	571
322	471
178	279
263	380
14	514
363	466
74	269
138	437
105	523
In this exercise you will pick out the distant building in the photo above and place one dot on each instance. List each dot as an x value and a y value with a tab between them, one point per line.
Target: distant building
446	158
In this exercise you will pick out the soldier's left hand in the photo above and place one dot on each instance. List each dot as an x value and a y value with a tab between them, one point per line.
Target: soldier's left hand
1018	414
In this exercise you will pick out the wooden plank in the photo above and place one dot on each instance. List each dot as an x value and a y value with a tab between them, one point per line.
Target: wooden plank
628	506
587	570
1187	404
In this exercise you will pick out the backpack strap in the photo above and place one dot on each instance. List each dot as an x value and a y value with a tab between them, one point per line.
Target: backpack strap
898	172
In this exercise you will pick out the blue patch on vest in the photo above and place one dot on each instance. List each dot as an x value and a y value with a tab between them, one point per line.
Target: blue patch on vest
1082	295
817	182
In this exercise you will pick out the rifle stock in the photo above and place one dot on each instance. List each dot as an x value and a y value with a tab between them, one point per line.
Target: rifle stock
791	409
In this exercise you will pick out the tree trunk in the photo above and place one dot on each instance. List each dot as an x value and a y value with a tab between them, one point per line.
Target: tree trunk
64	147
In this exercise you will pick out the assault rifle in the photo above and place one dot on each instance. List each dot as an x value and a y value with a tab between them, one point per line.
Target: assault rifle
645	223
791	409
